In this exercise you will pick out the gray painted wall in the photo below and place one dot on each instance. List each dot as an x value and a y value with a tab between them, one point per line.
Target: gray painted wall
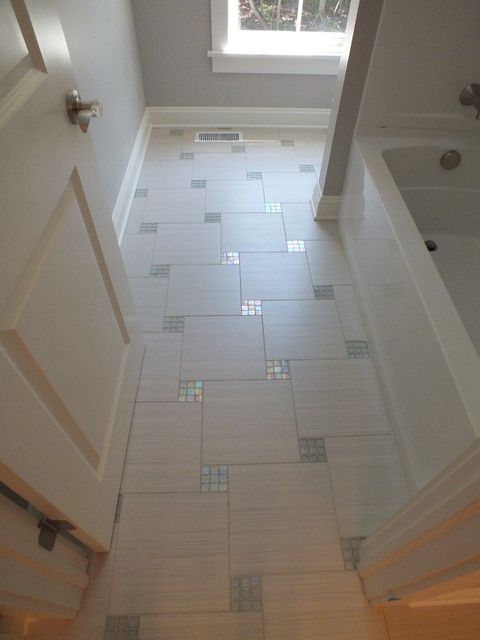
426	52
102	43
174	37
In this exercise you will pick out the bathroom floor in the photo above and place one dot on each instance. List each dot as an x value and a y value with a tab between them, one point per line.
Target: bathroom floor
260	452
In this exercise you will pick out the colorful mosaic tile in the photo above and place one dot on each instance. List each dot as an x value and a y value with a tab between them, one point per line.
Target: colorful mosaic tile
141	193
273	207
278	370
230	257
307	168
357	349
176	132
214	478
251	307
323	292
173	324
312	450
287	143
213	217
186	156
190	391
246	593
351	552
254	175
296	246
122	628
148	227
238	148
199	184
160	270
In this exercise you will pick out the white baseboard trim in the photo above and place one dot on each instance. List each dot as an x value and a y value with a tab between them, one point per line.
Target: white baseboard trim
130	178
324	207
238	117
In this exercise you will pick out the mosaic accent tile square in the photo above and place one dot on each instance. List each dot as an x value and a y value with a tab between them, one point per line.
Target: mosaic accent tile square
148	227
254	175
230	257
246	593
122	627
199	184
278	370
307	168
251	307
287	143
160	270
141	193
176	132
173	324
190	391
357	349
324	292
351	551
273	207
296	246
238	148
213	217
186	156
214	478
312	450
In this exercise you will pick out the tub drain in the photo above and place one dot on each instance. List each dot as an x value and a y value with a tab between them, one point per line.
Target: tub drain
431	245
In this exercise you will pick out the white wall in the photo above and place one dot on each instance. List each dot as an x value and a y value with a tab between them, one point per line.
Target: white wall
174	37
102	43
426	52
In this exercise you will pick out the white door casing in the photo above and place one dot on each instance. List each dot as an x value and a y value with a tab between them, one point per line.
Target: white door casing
70	343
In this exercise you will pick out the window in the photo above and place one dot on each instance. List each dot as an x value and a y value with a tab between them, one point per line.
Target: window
278	36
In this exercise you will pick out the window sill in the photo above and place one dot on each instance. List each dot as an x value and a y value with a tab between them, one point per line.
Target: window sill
325	64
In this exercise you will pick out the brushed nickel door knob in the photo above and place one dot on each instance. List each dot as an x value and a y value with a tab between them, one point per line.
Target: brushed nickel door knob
82	111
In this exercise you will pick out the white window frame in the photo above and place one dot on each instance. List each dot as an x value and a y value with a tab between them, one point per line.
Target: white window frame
236	51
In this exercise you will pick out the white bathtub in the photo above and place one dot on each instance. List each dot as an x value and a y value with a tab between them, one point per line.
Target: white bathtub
422	309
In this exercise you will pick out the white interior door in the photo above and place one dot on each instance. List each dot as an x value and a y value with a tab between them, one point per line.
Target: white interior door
70	346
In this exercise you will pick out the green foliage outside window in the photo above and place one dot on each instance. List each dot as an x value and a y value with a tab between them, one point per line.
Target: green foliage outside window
280	15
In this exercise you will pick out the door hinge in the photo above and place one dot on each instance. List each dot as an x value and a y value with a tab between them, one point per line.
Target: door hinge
49	530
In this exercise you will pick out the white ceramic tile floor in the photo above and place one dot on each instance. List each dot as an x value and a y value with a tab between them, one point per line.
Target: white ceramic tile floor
174	205
176	548
235	196
187	244
252	232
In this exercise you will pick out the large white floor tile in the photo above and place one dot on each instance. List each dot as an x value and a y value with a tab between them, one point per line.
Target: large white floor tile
235	196
203	290
249	422
137	252
203	626
302	329
349	312
288	187
338	398
275	276
172	554
219	166
223	348
368	481
187	244
163	448
149	296
328	263
329	605
253	232
165	174
174	205
163	147
300	225
282	519
268	159
161	367
135	217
